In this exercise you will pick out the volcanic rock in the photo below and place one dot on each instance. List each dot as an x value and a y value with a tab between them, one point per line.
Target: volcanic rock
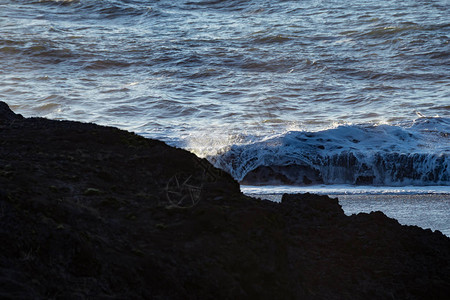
89	211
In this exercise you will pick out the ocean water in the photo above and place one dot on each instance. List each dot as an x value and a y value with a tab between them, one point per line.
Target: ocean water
278	93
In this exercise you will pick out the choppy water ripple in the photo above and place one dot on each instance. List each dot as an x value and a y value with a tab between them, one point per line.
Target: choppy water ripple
227	71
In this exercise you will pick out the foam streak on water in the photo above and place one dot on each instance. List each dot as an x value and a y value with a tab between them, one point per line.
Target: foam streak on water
343	189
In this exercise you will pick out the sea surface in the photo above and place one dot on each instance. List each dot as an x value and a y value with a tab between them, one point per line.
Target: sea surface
312	94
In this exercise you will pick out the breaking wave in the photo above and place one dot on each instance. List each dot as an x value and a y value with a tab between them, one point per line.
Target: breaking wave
414	153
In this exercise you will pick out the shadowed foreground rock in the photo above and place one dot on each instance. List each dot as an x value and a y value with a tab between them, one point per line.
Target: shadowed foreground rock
95	212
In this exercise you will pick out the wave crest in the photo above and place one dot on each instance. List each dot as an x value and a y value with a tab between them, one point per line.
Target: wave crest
406	154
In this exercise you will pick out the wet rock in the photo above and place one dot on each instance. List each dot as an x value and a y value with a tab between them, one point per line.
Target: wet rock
290	174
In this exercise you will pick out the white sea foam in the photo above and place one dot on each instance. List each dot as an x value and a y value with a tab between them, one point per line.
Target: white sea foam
345	189
414	153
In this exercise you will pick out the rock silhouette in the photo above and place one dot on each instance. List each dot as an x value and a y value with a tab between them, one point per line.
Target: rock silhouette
89	211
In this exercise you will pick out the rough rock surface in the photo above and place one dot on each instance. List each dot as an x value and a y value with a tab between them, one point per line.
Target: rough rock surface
95	212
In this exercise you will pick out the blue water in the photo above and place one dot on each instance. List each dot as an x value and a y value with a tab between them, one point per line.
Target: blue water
291	92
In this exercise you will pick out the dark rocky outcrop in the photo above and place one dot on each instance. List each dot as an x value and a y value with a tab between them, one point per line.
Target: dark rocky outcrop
7	115
289	175
95	212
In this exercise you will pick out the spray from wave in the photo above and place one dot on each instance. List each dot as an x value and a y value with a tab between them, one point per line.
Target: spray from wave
414	153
